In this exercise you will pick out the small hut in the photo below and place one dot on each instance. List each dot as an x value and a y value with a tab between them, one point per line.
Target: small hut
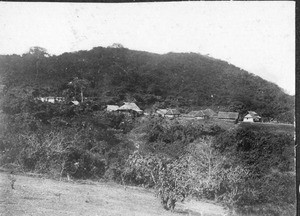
130	107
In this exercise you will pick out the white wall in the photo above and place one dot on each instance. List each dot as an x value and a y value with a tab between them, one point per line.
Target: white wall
248	120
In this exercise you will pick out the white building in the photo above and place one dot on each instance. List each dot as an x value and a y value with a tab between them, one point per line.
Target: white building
252	117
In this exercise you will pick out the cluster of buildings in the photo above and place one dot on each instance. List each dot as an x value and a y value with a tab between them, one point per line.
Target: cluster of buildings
51	99
132	108
197	114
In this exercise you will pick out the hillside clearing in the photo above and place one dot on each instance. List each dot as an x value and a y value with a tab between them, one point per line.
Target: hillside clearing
40	196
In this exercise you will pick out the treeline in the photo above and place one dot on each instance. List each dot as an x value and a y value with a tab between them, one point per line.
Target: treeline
182	80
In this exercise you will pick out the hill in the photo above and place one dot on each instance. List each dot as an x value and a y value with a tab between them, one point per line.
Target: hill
170	80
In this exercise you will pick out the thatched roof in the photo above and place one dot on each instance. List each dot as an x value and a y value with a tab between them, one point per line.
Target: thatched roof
162	111
172	112
228	115
112	107
209	112
130	106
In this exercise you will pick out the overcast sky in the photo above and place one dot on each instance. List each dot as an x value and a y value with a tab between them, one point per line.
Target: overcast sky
256	36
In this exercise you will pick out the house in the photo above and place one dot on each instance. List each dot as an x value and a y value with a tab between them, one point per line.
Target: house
210	113
130	107
161	112
252	117
202	114
75	102
172	113
197	114
111	108
51	99
228	116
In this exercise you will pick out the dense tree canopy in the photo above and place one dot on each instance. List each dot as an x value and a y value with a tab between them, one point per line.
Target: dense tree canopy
175	79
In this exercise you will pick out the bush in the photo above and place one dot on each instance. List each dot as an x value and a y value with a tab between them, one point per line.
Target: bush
86	150
168	176
172	138
174	183
257	150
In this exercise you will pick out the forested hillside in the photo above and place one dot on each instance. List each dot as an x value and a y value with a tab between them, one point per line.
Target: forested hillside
246	167
114	75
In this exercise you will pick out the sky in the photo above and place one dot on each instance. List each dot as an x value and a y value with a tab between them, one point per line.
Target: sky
257	36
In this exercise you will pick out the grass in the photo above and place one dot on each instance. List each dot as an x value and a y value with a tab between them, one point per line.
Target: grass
41	196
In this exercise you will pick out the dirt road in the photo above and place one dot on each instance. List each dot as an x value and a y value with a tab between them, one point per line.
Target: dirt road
40	196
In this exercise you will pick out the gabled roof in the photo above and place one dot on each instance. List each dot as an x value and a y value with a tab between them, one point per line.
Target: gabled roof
112	107
209	112
172	112
253	114
248	116
162	111
130	106
228	115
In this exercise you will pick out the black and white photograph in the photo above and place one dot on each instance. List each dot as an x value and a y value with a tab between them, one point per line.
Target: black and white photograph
147	108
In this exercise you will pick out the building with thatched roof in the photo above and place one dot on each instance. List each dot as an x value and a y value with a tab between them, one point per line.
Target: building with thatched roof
170	113
202	114
161	112
198	114
130	107
210	113
230	116
111	108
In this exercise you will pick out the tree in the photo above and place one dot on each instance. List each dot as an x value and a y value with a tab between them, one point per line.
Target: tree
36	55
116	45
81	84
39	52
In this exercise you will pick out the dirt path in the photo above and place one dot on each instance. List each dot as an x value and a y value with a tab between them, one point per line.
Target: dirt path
40	196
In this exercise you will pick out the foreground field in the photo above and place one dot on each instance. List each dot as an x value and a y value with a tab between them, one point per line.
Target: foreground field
40	196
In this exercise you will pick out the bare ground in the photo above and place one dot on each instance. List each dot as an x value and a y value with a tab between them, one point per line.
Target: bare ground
41	196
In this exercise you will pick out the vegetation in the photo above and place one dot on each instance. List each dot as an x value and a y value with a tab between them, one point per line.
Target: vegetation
115	74
247	167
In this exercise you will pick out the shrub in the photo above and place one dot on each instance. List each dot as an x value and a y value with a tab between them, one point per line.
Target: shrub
173	183
257	150
168	176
